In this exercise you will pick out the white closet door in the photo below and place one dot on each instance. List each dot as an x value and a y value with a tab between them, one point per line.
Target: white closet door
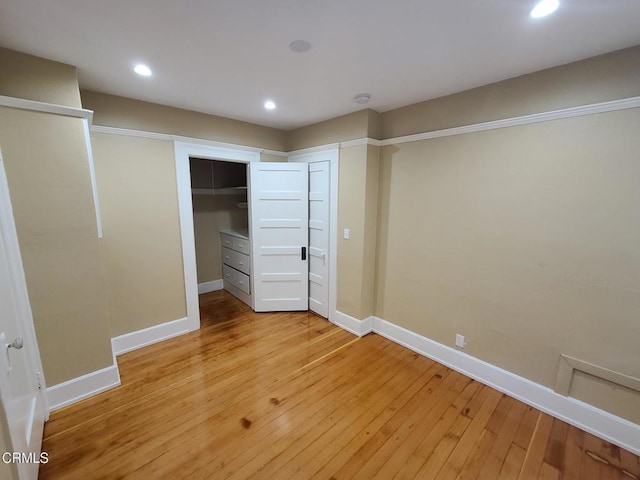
319	180
279	212
21	392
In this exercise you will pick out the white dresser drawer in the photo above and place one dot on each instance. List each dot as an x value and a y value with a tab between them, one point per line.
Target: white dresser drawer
226	240
228	256
240	262
242	282
236	278
241	245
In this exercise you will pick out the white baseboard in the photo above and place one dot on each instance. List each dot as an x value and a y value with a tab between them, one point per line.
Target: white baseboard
352	324
148	336
86	386
211	286
609	427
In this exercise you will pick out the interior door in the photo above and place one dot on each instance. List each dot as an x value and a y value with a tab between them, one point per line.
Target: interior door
319	180
279	212
21	383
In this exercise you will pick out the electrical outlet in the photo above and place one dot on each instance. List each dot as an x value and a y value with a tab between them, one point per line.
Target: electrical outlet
346	234
460	340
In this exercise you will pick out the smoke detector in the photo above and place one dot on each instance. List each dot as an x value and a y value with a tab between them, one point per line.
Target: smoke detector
362	98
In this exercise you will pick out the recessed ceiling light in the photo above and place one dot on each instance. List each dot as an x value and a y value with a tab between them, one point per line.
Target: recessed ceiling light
544	8
362	98
142	69
300	46
269	105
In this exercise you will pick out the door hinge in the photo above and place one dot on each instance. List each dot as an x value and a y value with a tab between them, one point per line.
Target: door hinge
39	380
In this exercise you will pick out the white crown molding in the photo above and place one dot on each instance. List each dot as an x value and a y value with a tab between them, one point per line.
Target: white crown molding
319	148
82	387
178	138
361	141
35	106
212	286
603	107
614	429
148	336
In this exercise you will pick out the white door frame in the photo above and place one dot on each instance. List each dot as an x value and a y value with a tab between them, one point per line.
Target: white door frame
183	151
332	154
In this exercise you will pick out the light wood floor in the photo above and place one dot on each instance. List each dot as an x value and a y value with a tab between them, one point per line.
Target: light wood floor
290	396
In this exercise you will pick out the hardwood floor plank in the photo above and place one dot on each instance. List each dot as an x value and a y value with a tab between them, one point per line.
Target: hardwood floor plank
504	438
447	443
537	447
426	447
470	438
554	455
512	463
288	395
548	472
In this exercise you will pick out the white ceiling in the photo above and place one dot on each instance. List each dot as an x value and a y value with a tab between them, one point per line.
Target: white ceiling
226	57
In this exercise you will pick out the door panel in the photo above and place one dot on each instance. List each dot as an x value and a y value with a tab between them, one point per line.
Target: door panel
319	181
278	202
20	378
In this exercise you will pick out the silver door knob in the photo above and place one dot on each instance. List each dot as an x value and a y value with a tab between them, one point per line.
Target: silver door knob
18	343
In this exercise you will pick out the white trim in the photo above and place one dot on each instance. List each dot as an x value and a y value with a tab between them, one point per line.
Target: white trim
332	154
86	386
19	290
361	141
183	181
92	173
352	324
609	427
179	138
591	109
319	148
148	336
35	106
185	208
212	286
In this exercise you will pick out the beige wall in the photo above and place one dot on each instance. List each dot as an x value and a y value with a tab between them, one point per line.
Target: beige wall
33	78
142	247
113	111
212	213
599	79
361	124
357	207
265	157
47	167
523	239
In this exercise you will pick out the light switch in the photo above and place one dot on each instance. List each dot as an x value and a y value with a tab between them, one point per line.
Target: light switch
346	234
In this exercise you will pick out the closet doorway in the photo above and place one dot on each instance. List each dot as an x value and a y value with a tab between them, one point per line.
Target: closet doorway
323	261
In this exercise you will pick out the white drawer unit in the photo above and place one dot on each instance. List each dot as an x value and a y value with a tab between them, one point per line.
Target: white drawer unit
236	264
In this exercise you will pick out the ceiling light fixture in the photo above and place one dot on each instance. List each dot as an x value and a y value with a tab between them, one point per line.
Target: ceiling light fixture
362	98
269	105
142	70
300	46
544	8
